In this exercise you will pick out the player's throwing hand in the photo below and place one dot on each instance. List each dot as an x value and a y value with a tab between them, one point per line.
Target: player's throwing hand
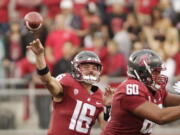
108	95
36	47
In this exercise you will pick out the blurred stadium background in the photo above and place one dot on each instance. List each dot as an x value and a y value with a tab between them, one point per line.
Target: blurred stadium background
111	28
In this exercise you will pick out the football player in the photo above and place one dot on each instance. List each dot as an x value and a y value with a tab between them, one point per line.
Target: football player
77	102
141	100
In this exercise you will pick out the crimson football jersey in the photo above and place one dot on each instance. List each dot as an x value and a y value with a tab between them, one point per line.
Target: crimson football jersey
78	111
129	95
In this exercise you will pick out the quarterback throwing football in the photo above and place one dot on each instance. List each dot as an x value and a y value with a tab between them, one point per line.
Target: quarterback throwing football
77	102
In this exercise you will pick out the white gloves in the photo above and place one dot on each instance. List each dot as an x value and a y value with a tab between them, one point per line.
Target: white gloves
176	86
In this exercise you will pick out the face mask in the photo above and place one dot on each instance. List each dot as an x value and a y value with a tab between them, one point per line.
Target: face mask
90	79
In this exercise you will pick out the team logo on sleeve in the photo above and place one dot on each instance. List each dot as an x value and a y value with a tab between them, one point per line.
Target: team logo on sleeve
76	91
132	89
59	77
98	103
89	99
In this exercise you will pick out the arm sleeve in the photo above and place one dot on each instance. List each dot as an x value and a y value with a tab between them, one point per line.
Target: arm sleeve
62	78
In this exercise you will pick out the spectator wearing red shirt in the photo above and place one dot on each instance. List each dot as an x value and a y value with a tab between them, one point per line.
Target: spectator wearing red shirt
115	19
117	64
52	7
144	9
13	48
56	39
64	64
89	14
25	6
99	48
26	65
4	16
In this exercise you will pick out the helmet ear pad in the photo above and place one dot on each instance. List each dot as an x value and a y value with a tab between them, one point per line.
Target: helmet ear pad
75	70
145	77
140	73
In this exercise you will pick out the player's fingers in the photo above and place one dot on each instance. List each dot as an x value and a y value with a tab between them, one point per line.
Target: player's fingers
37	43
28	47
107	88
110	90
37	40
34	43
30	44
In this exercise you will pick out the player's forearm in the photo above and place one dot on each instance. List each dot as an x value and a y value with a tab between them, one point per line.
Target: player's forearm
50	82
45	75
172	100
153	113
52	85
101	120
40	61
169	114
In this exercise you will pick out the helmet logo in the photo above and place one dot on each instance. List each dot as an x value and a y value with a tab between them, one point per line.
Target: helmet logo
76	91
143	59
89	58
93	59
146	66
89	99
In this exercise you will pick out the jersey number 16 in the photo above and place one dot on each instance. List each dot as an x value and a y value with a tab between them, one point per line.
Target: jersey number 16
80	116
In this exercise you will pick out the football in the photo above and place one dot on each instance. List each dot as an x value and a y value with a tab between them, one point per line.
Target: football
33	21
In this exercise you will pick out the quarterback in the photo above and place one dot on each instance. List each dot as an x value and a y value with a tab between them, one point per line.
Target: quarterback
77	102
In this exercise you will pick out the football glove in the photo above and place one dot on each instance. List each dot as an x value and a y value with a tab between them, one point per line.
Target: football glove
107	110
176	87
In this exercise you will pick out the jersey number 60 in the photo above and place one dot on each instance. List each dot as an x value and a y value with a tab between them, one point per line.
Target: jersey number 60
132	89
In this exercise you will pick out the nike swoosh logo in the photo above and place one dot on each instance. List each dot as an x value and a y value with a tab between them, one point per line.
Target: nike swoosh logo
98	103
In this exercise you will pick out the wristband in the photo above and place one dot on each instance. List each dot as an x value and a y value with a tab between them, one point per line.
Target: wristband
43	71
107	110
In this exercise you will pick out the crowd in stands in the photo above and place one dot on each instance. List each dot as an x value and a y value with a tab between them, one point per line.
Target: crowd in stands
111	28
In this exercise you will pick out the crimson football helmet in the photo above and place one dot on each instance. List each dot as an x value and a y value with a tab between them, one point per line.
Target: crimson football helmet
86	57
146	65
